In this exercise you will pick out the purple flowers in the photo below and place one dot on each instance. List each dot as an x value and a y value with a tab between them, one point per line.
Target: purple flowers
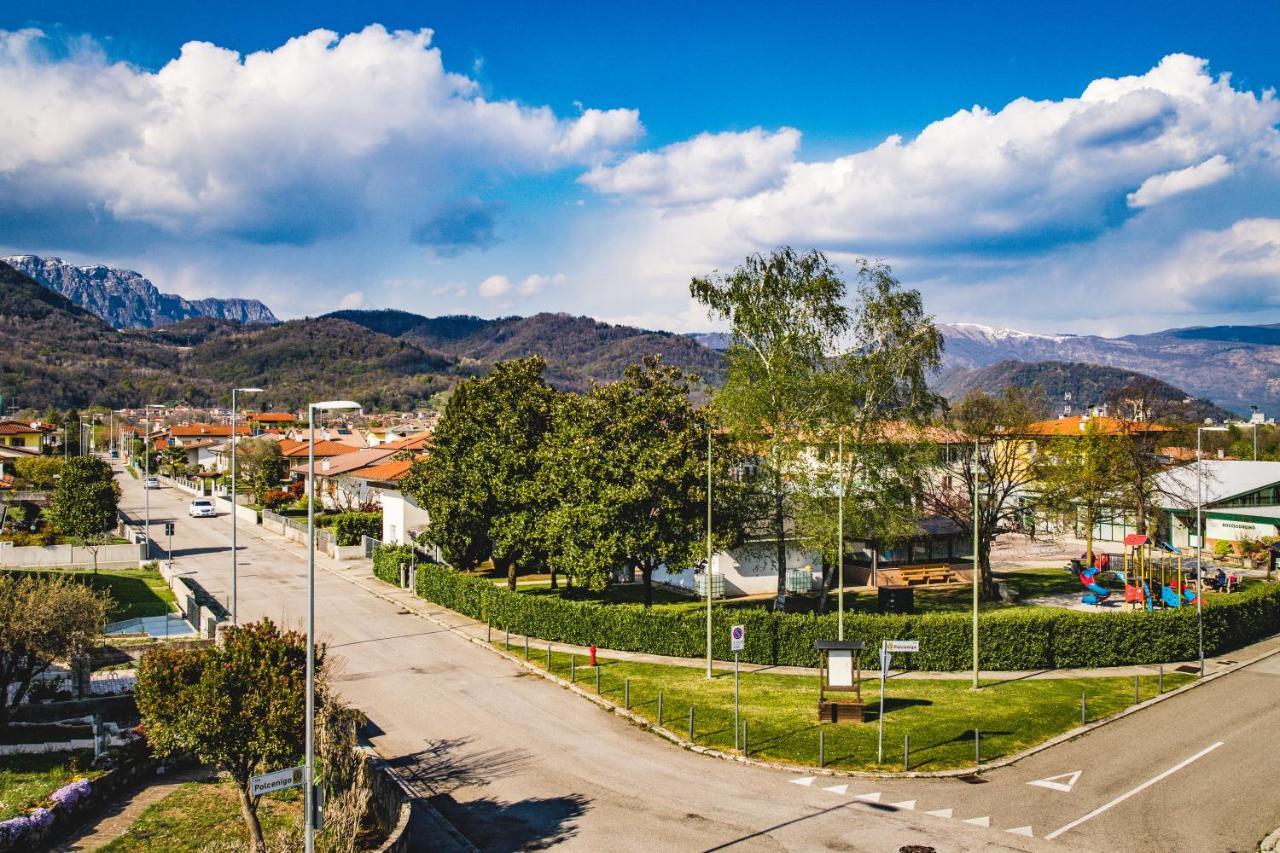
68	795
18	828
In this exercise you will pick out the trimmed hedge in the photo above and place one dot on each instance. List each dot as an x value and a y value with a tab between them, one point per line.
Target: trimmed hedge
349	527
1011	639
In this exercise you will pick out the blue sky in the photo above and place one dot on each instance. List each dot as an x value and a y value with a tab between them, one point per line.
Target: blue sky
591	157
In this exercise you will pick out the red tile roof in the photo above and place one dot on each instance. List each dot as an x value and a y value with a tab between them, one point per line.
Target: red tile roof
323	448
16	428
412	442
193	430
385	472
1104	425
271	417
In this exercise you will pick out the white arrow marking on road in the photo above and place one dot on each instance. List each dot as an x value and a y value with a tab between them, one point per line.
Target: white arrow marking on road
1053	784
869	798
979	821
1021	830
837	789
804	780
940	813
905	805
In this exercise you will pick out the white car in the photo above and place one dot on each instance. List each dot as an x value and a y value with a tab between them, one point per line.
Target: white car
150	482
201	508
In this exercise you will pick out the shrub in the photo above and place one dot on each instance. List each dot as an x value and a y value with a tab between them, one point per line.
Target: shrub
1221	548
1011	639
276	498
349	527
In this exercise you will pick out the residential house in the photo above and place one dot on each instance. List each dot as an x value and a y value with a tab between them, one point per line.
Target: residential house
402	518
335	484
28	436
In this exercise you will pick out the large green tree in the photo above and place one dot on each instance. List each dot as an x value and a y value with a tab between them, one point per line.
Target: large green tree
239	705
1085	478
623	476
43	619
84	503
260	465
474	482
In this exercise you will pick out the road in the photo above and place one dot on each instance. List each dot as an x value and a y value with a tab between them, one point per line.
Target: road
516	762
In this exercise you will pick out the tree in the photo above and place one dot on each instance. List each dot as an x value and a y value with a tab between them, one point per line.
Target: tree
84	503
1146	410
259	463
988	450
473	484
1084	478
623	474
174	458
43	619
40	472
238	705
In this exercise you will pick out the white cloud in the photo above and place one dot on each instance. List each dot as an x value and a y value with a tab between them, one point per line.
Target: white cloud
354	299
709	166
495	286
1157	188
534	284
286	145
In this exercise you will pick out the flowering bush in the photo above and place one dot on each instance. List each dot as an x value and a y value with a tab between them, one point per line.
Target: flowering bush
18	828
276	498
68	795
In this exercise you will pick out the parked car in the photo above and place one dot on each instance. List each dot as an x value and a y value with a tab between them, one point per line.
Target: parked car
150	482
202	508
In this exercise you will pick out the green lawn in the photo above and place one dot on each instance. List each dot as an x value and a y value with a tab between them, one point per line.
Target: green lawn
781	711
136	592
27	781
198	814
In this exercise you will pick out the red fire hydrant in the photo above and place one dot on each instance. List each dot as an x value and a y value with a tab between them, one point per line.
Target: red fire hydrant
593	653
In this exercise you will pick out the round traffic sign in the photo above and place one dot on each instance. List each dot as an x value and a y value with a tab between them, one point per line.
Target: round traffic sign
738	632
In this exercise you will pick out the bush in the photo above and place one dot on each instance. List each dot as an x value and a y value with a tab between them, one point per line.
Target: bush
1012	639
1221	548
350	527
276	498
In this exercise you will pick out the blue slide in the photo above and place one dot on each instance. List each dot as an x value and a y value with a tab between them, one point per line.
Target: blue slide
1172	599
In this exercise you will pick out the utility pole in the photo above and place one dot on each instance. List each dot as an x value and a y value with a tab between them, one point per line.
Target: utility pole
976	570
709	577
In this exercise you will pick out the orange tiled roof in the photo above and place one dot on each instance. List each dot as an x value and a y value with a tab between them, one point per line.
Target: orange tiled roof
384	472
323	448
412	442
194	430
16	428
271	417
1104	425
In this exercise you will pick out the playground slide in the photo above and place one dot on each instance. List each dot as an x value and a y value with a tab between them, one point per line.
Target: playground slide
1171	597
1097	592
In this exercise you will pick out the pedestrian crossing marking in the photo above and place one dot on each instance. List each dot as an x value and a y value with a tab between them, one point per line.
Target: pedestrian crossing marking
940	813
837	789
1021	830
870	798
905	805
979	821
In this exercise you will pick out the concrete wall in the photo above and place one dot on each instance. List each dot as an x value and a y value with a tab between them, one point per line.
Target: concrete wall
244	514
400	516
39	556
748	570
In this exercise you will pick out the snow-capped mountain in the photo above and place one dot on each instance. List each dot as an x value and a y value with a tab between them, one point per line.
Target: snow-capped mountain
126	299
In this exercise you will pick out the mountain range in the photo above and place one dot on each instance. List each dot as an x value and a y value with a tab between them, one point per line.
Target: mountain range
126	300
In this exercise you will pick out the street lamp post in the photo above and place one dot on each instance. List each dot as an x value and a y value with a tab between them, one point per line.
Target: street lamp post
1200	536
707	578
840	540
235	493
146	461
976	570
1254	420
310	790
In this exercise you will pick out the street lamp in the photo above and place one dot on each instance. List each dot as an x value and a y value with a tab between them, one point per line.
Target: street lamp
1200	536
146	461
840	540
310	791
707	577
976	570
235	494
1254	420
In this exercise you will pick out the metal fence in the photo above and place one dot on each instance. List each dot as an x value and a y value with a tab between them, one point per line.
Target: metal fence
370	545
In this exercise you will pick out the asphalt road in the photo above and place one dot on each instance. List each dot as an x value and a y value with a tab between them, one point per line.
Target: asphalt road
517	763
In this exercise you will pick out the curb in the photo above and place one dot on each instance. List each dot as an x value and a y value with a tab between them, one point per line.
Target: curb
676	739
1271	843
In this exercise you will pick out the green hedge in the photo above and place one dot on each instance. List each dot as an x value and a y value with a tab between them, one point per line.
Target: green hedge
1011	639
349	527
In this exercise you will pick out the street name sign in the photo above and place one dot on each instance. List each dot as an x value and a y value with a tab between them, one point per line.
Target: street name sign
277	780
895	646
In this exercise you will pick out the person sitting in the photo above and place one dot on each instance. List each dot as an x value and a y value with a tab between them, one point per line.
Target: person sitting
1218	582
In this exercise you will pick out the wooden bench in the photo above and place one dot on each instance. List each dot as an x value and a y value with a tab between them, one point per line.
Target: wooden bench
913	575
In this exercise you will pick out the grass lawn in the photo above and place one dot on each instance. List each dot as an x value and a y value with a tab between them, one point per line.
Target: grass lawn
939	715
136	592
28	780
197	814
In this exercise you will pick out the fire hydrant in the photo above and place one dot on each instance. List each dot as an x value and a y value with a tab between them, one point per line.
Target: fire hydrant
593	653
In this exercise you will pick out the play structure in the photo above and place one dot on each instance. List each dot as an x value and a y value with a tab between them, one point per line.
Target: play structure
1152	576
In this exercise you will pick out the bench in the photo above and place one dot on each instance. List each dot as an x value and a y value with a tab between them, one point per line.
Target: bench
913	575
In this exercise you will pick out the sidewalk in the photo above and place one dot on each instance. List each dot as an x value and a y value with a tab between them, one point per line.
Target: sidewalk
360	574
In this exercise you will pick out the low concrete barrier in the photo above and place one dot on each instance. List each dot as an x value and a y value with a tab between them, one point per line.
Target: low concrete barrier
202	618
244	514
67	556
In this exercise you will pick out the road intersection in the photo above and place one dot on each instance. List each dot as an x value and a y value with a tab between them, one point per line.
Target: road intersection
516	762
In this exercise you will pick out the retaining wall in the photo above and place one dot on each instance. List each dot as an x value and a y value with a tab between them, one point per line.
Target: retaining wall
68	556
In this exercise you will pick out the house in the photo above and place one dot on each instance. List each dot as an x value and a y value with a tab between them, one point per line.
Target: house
336	486
270	420
24	435
402	518
181	435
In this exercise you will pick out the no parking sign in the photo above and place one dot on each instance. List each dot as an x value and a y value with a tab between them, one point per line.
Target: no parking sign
737	637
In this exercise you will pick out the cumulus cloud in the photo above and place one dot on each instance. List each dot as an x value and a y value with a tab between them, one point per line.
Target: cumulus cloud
498	286
709	166
354	299
311	139
1157	188
495	286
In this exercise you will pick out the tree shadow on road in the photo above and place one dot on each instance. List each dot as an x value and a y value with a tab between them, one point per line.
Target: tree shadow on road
446	765
537	823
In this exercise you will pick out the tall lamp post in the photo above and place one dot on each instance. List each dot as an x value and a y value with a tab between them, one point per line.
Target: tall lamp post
840	540
1254	420
235	494
310	790
708	577
1200	431
976	570
146	461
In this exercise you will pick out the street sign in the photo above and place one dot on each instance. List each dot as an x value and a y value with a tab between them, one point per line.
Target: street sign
894	646
290	777
737	637
168	528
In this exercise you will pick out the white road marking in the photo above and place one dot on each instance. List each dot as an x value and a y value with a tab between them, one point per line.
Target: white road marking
940	813
869	798
803	780
1053	784
905	805
1021	830
837	789
979	821
1127	794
